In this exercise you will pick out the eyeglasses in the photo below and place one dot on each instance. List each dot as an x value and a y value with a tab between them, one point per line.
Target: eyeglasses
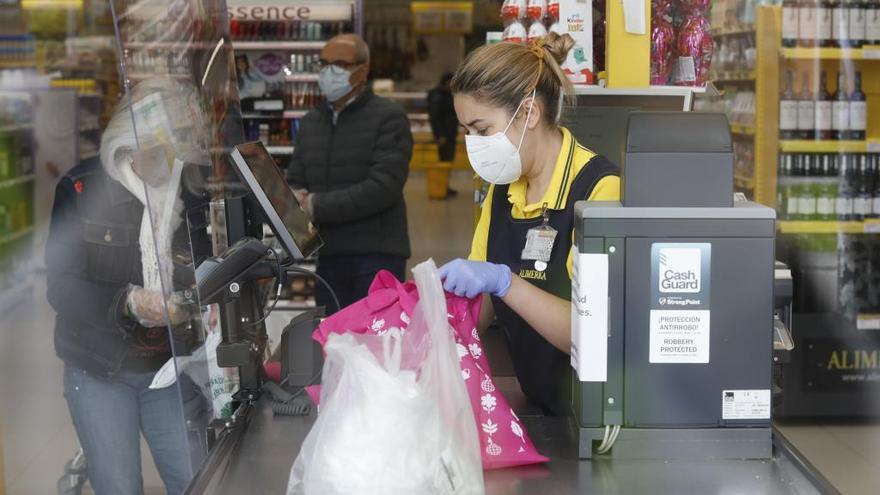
338	64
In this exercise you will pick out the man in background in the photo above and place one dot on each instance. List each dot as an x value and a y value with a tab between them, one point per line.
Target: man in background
444	122
348	169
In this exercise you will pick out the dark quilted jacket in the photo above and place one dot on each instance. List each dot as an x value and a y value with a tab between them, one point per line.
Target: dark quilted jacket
356	170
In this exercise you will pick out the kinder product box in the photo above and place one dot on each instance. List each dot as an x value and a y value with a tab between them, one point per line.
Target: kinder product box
576	19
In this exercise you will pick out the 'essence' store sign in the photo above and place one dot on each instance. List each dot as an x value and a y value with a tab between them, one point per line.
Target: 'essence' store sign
338	12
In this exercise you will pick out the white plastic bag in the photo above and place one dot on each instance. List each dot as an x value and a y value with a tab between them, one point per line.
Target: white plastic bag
395	418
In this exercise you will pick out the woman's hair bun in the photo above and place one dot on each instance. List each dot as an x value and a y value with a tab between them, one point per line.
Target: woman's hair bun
558	46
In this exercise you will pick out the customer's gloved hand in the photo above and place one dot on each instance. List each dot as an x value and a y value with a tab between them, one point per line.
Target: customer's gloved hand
148	307
472	278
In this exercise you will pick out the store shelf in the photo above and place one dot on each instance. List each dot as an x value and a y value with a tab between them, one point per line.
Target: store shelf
16	181
278	45
301	78
18	65
735	76
827	227
280	150
807	146
864	53
295	114
265	116
15	236
734	30
15	127
140	76
742	130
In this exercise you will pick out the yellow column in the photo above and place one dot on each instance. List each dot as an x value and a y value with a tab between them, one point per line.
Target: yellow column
627	56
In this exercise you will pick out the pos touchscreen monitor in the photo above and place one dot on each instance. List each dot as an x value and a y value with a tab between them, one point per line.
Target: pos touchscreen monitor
286	218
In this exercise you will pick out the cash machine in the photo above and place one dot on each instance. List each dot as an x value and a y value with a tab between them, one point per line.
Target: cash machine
673	309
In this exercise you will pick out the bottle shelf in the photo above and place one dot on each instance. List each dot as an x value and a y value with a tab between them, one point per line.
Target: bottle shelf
734	30
742	130
16	181
301	78
808	146
280	150
828	227
865	53
735	76
295	114
21	234
278	45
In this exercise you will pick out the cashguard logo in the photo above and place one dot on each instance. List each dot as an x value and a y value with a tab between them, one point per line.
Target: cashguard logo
679	270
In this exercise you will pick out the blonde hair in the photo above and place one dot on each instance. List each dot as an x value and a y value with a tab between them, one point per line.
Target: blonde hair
503	74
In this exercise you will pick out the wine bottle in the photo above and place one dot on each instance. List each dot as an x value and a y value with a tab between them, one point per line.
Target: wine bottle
872	23
823	24
862	200
807	196
807	23
840	110
875	190
806	110
790	13
788	109
840	23
823	109
844	204
782	185
858	109
856	23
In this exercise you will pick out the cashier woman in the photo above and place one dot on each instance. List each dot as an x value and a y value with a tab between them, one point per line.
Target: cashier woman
508	98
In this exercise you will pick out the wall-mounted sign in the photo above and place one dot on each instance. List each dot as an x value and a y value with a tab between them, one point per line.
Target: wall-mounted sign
290	12
442	17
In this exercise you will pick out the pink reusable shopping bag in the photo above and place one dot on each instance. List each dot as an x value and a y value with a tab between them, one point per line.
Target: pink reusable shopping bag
390	303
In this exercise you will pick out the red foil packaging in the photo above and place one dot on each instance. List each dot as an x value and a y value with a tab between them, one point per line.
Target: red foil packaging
694	44
662	42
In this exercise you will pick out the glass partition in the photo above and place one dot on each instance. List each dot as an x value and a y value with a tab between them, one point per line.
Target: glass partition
167	145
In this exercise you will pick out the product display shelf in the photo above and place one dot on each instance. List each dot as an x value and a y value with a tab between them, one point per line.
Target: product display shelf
871	226
278	45
280	150
16	236
301	78
740	76
734	30
763	80
742	130
871	52
809	146
16	181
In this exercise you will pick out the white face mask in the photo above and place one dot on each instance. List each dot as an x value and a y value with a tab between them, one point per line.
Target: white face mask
494	158
335	83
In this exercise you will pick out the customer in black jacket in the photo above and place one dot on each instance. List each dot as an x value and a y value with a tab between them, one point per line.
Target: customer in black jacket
349	166
106	286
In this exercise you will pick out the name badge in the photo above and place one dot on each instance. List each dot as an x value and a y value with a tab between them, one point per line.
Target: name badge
539	241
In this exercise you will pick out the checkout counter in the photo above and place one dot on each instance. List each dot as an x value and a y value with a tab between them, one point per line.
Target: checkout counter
671	387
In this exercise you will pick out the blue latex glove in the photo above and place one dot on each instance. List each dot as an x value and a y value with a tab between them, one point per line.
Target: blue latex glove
472	278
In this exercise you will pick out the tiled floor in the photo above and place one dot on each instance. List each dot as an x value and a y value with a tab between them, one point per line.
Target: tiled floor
38	437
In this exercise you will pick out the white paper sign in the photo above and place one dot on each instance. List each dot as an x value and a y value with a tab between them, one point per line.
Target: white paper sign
634	18
745	404
589	317
679	336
